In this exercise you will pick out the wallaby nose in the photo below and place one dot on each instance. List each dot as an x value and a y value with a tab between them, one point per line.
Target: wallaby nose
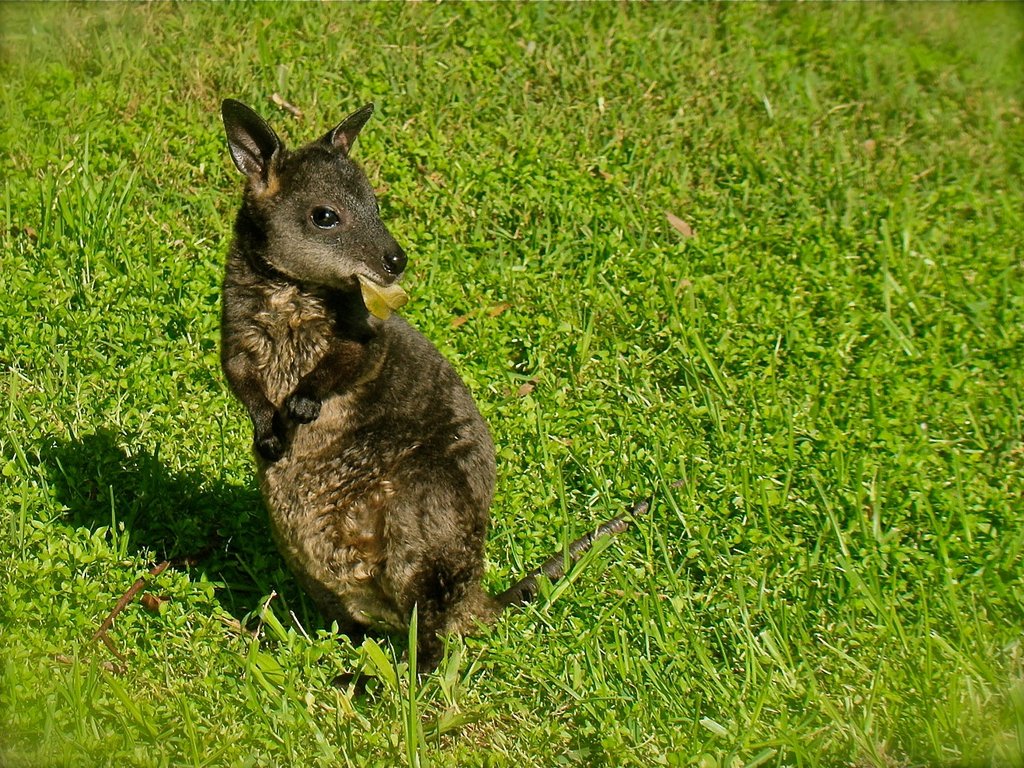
395	260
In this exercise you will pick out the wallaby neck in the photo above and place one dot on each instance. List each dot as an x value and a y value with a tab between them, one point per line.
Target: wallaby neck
250	247
250	268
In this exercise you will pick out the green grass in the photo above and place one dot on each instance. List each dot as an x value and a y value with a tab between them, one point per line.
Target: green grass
833	364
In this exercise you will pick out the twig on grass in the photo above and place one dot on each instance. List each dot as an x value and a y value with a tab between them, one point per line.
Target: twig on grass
112	648
107	666
286	106
235	625
126	598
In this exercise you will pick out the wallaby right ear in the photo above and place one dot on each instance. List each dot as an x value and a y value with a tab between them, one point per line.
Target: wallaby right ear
343	135
251	141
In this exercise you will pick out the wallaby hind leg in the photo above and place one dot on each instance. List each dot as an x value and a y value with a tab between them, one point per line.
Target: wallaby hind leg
448	600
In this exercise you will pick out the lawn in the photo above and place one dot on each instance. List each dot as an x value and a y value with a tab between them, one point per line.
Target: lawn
763	265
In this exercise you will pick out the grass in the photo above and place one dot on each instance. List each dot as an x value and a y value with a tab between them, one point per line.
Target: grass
832	364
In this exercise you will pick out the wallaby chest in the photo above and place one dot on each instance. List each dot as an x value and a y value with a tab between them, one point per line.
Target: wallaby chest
287	335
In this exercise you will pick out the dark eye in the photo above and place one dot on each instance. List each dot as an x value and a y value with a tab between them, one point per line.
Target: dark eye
325	218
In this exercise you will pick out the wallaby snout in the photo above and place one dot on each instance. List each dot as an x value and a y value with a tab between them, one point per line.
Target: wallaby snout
395	260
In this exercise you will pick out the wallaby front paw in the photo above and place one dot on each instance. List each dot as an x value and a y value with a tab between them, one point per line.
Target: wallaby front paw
302	408
270	447
270	439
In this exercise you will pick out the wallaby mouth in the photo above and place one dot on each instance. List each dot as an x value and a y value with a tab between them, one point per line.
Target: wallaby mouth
379	299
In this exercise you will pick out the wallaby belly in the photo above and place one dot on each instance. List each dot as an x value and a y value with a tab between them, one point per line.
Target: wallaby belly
327	500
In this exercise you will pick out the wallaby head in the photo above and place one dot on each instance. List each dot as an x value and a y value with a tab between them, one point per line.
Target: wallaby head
311	214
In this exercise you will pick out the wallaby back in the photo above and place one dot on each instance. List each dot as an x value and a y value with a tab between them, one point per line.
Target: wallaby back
375	465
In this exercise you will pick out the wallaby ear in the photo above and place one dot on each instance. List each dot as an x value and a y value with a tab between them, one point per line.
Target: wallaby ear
343	136
251	141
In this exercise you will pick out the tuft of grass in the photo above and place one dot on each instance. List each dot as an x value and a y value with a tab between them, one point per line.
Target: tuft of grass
828	356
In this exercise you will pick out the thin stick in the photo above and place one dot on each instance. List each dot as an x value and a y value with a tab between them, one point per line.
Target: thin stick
127	597
287	107
109	666
112	648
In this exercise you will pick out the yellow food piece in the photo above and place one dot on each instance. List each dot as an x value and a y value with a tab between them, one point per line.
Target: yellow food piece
381	299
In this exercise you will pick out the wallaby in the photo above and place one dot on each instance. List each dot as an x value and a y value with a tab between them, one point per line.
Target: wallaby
375	465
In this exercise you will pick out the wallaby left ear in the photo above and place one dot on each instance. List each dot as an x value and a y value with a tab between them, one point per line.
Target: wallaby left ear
343	136
253	143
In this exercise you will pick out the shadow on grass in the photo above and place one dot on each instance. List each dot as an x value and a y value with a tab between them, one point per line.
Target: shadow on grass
209	526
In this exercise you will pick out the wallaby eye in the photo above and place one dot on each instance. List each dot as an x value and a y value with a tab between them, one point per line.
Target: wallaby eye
325	218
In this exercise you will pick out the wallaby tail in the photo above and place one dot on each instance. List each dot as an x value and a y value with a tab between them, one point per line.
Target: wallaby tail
524	590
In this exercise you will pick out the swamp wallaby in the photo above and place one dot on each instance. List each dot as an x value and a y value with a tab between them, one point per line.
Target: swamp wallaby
375	465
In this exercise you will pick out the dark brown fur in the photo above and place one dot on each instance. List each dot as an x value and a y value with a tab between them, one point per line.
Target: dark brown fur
375	465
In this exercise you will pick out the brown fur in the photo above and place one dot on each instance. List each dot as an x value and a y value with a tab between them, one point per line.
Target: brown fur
375	465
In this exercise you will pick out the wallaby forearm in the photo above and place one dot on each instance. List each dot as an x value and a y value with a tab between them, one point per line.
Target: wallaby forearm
339	366
267	424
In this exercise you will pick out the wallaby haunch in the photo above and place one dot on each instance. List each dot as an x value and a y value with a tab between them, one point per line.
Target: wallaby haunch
375	465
